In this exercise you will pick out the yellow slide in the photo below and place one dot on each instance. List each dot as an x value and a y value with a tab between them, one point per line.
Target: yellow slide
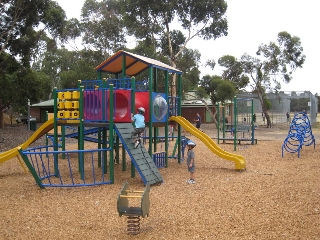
240	163
46	127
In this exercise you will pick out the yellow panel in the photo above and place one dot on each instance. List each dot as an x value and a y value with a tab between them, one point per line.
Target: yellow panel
75	95
75	104
68	105
75	114
60	105
61	114
67	95
60	95
68	114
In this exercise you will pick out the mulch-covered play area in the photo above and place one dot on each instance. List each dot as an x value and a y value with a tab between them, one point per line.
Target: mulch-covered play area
274	198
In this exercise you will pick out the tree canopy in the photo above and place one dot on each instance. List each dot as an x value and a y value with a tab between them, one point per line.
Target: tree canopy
274	63
154	20
23	23
25	26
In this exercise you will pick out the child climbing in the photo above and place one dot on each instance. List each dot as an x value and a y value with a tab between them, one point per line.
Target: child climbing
139	126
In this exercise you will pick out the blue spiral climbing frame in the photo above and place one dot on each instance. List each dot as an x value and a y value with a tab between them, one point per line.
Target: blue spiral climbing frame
300	134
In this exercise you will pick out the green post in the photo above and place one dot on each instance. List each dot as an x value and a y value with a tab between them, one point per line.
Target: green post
55	132
252	123
133	109
31	169
179	114
47	142
218	116
111	142
150	109
155	141
235	124
166	144
101	132
117	149
175	148
223	120
104	87
156	129
81	133
63	136
104	146
99	146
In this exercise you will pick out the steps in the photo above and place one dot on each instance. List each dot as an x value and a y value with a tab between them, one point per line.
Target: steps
140	157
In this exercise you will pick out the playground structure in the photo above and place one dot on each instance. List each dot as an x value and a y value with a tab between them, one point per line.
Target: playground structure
133	213
241	129
299	135
103	108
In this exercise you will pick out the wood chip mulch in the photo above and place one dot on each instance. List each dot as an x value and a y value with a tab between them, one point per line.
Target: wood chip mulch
275	198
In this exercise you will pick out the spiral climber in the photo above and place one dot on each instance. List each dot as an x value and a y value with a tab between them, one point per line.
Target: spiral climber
300	134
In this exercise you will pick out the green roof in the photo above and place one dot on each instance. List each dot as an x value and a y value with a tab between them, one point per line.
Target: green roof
48	103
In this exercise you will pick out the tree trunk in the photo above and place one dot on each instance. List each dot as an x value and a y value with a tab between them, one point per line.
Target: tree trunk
264	110
1	115
173	86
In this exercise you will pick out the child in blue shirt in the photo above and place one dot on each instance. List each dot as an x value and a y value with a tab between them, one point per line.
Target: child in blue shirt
139	126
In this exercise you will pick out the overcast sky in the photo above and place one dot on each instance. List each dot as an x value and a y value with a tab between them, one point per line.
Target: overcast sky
253	22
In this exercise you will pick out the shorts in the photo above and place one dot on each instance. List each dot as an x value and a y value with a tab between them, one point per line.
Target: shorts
137	131
198	125
192	169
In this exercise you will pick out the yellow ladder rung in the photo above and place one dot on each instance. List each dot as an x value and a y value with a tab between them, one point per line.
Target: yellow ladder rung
129	196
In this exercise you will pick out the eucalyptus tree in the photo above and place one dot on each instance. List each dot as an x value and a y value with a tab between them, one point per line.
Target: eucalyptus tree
23	23
102	26
18	84
274	63
66	67
218	89
151	20
24	27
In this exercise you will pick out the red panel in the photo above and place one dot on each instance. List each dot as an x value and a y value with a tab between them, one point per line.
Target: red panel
122	106
142	100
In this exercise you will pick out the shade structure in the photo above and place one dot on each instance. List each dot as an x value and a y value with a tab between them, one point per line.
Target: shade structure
134	64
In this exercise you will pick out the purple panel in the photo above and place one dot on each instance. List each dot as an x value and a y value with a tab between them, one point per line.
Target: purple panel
92	105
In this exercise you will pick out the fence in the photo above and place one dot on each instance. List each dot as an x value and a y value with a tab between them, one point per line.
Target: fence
284	102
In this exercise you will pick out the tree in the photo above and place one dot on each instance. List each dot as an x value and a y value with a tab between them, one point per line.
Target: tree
274	63
102	26
24	22
25	29
18	84
66	67
234	72
217	89
152	20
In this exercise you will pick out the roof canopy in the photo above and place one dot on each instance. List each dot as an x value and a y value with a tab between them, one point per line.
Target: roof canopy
134	64
48	103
